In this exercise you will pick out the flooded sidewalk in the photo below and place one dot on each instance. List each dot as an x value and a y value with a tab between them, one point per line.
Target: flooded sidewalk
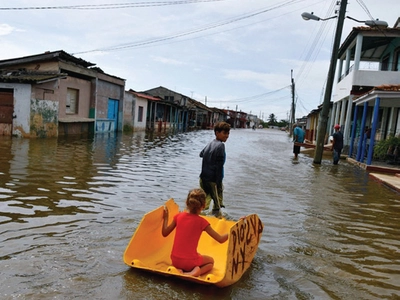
382	173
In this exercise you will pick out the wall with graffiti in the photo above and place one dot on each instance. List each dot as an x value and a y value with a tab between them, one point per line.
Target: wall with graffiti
44	118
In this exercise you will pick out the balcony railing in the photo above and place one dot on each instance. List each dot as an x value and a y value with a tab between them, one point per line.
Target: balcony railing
364	66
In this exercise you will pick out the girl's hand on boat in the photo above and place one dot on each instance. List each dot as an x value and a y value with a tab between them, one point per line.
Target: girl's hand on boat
166	213
224	238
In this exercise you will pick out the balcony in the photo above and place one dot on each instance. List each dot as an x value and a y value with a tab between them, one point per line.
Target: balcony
365	77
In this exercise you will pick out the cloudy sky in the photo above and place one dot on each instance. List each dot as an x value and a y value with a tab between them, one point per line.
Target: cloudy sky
235	54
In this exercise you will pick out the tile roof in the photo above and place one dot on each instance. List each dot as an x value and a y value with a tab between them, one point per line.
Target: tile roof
144	96
388	87
381	88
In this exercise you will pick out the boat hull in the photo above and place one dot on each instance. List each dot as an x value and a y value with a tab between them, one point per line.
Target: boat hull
149	250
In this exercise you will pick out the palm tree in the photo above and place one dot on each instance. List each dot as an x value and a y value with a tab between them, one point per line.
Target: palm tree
272	119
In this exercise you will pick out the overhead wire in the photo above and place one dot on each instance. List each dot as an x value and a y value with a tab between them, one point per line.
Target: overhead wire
365	8
193	31
316	45
311	51
171	41
164	3
109	6
250	98
314	50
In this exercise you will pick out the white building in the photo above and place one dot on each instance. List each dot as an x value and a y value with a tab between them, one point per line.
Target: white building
368	88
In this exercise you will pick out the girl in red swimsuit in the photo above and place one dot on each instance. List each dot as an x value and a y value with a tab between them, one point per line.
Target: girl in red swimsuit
189	226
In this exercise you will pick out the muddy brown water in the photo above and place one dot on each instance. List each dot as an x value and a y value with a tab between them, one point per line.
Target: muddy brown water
69	206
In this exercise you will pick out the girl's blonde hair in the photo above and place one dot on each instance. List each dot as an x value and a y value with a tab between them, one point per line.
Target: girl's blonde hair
196	200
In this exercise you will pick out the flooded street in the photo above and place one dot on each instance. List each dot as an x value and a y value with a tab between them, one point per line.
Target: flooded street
69	207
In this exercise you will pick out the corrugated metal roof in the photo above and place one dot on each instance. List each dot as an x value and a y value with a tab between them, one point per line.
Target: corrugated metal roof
46	56
199	104
25	76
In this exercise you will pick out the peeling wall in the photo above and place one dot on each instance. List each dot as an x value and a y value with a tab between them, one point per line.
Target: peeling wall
44	118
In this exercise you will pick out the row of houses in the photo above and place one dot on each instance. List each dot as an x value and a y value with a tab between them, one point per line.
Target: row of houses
54	94
366	100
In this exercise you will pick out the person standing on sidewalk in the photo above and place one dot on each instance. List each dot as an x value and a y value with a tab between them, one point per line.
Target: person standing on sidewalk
337	144
212	169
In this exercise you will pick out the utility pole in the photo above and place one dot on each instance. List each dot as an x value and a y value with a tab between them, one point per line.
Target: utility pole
234	125
292	118
323	118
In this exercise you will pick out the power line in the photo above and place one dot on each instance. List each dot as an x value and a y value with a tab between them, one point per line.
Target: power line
314	50
250	98
193	31
145	45
109	6
365	8
315	46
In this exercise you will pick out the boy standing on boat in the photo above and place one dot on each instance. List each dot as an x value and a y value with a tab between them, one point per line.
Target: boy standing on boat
189	227
212	170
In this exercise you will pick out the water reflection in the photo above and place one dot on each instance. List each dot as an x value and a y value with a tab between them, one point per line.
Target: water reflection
69	206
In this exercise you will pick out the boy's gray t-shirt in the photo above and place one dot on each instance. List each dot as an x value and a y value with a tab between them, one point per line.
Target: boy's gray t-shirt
213	161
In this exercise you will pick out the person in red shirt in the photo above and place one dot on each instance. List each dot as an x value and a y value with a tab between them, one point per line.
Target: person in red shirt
189	227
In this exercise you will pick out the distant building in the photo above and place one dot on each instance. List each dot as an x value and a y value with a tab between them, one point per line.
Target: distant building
55	93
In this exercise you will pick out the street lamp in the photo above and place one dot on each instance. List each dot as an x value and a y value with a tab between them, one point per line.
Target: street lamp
323	120
310	16
371	23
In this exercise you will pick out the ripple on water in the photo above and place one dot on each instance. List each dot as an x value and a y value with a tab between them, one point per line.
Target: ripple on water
68	208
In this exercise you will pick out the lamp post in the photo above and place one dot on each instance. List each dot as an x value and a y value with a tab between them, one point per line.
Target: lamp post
323	119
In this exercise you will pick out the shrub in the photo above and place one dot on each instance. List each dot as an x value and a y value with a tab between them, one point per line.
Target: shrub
381	147
128	128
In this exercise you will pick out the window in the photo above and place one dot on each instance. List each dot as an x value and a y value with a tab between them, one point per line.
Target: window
140	114
169	98
396	66
385	63
72	101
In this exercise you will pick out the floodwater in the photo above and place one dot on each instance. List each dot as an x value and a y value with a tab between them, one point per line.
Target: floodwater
68	208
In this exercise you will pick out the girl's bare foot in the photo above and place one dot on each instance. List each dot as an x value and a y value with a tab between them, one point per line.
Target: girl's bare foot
195	272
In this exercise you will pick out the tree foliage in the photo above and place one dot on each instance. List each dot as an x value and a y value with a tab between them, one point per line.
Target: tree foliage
272	120
381	148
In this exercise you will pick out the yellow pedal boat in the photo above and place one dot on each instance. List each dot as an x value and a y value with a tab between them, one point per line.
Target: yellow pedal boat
149	250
